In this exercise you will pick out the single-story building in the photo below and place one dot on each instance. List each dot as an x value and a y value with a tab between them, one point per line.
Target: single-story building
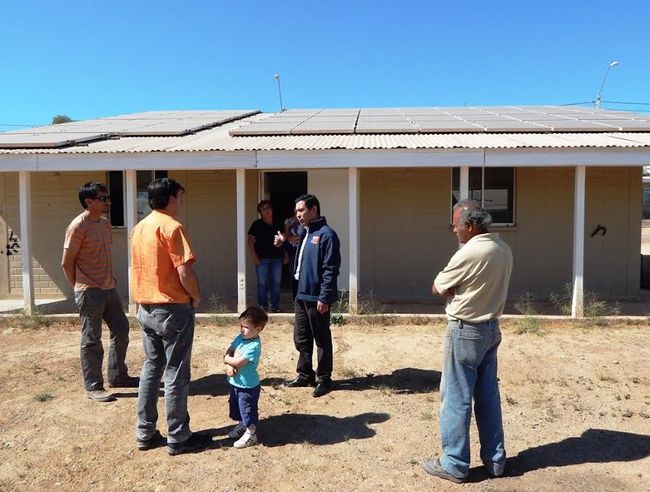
563	184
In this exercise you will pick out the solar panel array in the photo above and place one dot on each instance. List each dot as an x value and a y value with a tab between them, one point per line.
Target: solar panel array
507	119
153	123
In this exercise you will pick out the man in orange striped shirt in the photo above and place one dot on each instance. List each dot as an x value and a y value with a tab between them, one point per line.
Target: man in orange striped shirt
87	264
163	282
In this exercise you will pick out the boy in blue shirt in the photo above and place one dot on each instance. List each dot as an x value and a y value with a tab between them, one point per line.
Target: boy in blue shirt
241	361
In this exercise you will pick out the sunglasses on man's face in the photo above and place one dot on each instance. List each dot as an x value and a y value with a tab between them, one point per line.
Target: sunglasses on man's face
103	198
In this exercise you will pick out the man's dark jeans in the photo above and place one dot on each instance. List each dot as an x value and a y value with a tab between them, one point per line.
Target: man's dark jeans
94	305
167	335
312	326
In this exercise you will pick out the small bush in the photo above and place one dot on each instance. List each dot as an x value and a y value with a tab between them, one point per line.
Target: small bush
337	319
366	303
44	396
529	322
595	307
24	321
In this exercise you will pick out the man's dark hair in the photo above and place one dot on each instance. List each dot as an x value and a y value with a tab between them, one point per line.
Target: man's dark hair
256	315
473	213
310	200
264	203
90	190
160	190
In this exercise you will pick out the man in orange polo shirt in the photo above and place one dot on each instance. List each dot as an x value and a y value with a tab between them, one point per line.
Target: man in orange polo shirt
88	266
165	286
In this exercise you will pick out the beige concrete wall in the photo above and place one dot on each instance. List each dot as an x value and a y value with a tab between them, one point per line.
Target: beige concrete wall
613	261
331	188
405	236
54	204
542	239
209	215
406	240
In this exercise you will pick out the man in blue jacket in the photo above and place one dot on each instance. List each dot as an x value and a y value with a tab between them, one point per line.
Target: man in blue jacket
316	268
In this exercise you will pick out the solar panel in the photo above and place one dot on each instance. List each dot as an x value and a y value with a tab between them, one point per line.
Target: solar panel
44	140
153	123
448	127
387	126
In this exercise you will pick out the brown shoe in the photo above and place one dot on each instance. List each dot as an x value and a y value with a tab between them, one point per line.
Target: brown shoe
100	395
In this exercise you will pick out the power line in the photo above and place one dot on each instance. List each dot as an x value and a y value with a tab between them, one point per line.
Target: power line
578	103
625	102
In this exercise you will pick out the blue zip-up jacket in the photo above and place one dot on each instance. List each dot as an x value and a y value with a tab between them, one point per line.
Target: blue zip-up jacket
321	260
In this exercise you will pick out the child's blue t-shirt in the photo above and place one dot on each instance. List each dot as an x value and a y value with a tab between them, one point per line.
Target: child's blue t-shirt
250	349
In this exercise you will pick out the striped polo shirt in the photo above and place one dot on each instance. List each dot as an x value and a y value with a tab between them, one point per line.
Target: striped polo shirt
91	242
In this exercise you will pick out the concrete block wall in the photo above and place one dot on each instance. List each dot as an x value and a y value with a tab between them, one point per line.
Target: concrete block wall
54	204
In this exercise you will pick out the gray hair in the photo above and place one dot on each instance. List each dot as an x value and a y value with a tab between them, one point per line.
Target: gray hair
473	213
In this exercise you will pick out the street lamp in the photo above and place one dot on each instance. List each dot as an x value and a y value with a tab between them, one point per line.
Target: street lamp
277	77
600	91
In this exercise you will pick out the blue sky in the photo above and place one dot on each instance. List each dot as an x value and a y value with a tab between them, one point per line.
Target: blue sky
90	59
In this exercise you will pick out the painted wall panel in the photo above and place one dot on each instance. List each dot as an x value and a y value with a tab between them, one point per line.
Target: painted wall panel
331	188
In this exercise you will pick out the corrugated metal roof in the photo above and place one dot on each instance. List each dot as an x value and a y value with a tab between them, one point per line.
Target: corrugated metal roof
219	139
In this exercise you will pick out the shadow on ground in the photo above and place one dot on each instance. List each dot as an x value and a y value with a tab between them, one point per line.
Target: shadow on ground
298	428
213	385
406	380
593	446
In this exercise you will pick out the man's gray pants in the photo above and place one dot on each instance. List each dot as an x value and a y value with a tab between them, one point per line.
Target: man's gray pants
167	335
94	305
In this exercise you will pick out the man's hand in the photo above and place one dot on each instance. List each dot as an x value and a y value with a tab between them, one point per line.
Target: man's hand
278	239
256	260
231	371
196	302
449	293
321	307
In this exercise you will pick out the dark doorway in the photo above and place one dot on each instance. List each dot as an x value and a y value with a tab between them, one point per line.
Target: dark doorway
282	188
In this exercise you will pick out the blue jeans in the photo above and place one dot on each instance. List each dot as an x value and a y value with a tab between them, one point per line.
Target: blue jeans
243	404
269	274
167	335
470	371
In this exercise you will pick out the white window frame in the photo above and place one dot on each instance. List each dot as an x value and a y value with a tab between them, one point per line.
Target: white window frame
514	193
108	184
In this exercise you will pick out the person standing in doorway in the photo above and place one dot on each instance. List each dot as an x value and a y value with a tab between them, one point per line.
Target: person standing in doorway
88	267
165	285
316	269
475	282
266	257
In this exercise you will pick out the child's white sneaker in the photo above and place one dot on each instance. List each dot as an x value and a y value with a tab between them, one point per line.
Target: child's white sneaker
246	440
237	431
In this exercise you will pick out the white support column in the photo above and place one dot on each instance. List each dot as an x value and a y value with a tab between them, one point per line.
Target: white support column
353	195
577	303
241	240
131	217
25	210
464	182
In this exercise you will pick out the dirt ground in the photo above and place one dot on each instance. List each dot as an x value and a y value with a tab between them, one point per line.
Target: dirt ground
576	402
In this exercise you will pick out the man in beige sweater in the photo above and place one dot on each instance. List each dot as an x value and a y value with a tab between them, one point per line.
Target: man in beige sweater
475	282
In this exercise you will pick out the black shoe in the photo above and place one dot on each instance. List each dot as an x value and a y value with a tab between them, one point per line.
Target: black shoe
299	382
127	382
156	441
196	442
322	388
